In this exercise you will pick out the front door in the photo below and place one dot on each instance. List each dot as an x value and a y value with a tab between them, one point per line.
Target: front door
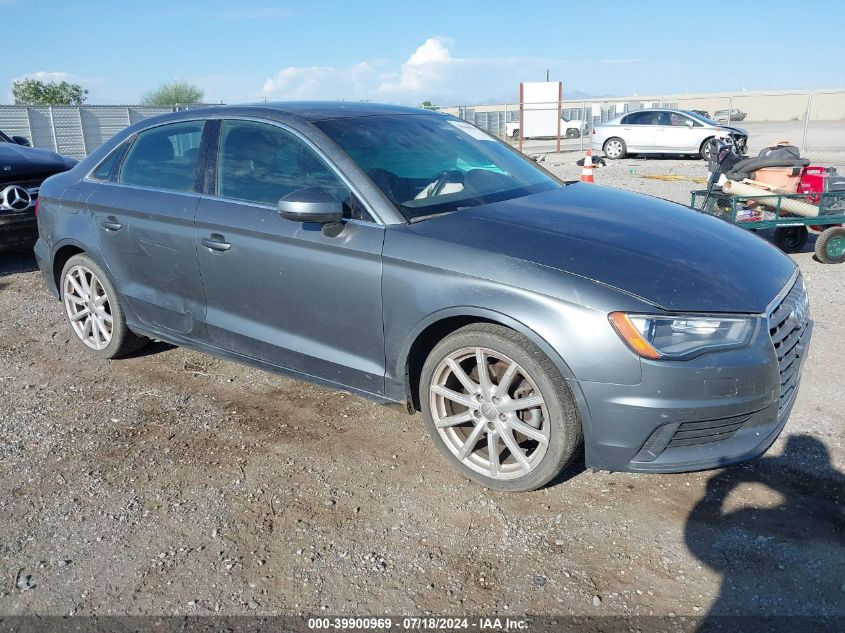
285	292
144	222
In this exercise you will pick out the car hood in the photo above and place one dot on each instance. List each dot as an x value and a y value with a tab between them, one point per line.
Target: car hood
735	130
661	252
17	160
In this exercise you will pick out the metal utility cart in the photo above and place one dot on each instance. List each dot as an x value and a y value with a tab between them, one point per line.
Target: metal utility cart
791	231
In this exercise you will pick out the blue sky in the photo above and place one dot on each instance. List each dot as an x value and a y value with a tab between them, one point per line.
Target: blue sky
410	51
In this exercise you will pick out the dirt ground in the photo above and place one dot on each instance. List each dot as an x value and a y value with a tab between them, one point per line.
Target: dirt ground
175	483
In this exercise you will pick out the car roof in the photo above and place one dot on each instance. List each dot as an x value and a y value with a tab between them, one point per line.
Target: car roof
320	110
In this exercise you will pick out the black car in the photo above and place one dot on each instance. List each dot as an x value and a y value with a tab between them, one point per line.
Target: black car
22	170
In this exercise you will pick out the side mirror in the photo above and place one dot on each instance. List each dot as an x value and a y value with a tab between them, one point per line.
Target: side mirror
21	140
688	123
312	204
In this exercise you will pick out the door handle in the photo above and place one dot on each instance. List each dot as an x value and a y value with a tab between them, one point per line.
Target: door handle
111	224
215	243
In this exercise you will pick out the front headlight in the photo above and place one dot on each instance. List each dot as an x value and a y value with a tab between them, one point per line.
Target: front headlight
677	337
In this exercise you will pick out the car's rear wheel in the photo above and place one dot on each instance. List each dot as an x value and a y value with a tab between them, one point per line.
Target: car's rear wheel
614	148
498	408
93	310
572	133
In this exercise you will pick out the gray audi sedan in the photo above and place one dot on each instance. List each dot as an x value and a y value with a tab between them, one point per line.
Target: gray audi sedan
406	256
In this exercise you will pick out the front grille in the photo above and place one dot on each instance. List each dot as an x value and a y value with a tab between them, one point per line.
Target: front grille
694	433
788	323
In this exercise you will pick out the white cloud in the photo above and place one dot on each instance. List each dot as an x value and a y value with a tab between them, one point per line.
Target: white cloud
48	75
321	82
430	72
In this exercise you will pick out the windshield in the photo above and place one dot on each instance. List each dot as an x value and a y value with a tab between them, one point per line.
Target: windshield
699	117
432	164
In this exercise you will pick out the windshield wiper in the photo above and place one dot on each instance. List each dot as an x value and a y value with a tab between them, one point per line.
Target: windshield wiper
420	218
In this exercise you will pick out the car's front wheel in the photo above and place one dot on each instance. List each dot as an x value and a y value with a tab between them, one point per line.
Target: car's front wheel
93	310
499	409
615	148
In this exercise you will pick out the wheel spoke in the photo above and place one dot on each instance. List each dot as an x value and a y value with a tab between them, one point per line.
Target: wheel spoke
102	327
518	404
452	420
471	441
462	376
86	328
507	379
105	316
483	372
83	281
74	299
493	453
527	430
95	330
454	396
513	447
76	287
80	315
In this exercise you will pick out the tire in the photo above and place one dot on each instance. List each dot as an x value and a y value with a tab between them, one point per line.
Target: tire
108	339
704	152
830	245
615	148
791	239
515	134
488	413
572	133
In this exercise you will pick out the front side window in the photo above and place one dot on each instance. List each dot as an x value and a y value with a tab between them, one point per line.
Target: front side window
164	157
431	164
261	163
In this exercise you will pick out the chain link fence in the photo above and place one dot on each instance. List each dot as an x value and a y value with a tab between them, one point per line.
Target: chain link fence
815	120
72	130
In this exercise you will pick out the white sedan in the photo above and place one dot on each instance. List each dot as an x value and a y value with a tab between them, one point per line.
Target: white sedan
662	131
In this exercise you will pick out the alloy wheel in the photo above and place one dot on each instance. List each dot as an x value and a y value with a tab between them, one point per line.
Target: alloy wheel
87	307
613	149
489	413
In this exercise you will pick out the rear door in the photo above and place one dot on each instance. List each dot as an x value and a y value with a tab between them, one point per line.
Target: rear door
281	291
144	216
637	131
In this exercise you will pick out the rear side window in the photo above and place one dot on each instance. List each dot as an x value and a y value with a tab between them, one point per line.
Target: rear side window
164	157
261	163
639	118
106	168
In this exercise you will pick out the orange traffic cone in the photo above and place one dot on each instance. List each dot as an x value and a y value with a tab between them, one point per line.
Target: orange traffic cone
587	172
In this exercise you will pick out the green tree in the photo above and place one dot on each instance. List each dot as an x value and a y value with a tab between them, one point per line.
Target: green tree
40	93
427	104
173	93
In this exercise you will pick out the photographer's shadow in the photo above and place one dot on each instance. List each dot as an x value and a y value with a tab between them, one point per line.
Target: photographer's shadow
785	559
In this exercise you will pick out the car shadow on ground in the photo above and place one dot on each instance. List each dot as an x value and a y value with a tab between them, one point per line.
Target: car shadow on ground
774	530
151	349
14	262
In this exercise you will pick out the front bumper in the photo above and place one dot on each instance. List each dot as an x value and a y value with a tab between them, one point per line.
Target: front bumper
17	230
716	410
